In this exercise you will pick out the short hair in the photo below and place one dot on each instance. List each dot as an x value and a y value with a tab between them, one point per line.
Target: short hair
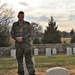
21	12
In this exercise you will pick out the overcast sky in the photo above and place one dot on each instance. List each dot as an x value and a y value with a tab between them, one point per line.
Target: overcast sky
40	11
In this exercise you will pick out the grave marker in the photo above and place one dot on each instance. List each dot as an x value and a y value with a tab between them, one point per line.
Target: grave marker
54	51
69	51
36	51
13	53
57	71
48	51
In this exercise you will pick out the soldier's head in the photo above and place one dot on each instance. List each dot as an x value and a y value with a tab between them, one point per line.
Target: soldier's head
21	16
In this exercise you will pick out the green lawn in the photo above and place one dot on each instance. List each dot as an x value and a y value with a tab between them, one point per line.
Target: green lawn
7	64
41	63
55	60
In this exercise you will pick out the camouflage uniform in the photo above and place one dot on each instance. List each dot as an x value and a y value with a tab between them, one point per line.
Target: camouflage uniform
24	47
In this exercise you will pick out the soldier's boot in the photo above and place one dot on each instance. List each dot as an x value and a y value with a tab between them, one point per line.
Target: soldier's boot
32	74
22	73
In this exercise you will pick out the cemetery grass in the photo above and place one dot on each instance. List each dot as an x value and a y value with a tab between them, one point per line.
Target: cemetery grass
8	66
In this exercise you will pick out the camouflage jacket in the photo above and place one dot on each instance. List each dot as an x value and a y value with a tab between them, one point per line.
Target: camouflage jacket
24	30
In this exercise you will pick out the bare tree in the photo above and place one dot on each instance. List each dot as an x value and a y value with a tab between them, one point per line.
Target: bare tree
5	17
36	29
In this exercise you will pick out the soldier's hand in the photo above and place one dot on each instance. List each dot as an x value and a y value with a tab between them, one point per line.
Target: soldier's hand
19	39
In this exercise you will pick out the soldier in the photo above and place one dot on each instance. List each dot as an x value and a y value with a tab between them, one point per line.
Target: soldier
22	33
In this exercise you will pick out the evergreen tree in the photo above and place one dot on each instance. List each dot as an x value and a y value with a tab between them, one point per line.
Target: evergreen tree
51	34
4	38
72	33
73	40
36	41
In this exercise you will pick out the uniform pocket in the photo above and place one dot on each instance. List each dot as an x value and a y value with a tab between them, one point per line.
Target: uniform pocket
26	48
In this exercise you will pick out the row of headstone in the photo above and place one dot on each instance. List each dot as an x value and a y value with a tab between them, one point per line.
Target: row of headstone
70	50
54	51
49	51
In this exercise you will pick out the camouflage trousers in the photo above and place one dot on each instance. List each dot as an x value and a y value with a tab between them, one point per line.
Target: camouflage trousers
24	50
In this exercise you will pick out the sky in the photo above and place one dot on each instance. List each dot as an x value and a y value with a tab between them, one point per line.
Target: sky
40	11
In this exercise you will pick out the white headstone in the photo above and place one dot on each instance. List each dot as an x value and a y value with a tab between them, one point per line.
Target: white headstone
25	68
57	71
73	49
13	53
54	51
24	64
36	51
33	61
48	51
69	51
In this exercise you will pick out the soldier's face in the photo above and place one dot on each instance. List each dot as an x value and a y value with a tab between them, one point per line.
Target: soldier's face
21	17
